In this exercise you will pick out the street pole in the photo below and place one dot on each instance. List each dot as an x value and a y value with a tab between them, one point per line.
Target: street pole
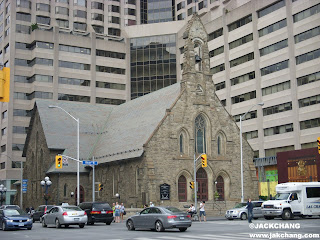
78	150
21	185
93	184
241	153
195	182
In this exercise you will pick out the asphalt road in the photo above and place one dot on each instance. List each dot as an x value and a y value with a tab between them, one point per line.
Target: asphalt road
211	230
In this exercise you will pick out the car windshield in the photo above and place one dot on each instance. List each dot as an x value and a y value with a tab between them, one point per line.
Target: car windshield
68	209
240	205
13	212
282	196
99	206
172	209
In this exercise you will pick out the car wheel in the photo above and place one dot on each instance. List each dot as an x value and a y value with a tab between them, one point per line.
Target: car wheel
159	226
268	218
108	223
243	216
255	218
81	225
44	223
29	228
58	225
4	226
286	214
33	220
66	226
130	225
182	229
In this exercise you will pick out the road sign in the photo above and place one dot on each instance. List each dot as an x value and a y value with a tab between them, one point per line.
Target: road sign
24	185
89	163
65	161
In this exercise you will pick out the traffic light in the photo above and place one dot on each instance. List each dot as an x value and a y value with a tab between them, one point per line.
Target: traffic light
191	184
100	187
204	161
4	84
318	140
58	161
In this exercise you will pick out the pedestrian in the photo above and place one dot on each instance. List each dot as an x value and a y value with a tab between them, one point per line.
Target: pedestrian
250	208
145	206
151	204
113	209
191	210
202	211
122	209
117	212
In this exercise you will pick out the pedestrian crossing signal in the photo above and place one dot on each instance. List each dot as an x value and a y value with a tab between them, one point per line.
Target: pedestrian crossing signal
204	162
191	184
58	161
318	140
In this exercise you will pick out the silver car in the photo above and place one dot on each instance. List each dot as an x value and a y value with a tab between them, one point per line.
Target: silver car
241	212
160	218
65	215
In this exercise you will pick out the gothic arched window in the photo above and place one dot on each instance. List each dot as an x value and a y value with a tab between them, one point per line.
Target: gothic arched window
219	145
182	189
181	143
200	132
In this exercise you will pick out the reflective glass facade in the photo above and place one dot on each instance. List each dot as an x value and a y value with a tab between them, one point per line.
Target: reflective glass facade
155	11
153	64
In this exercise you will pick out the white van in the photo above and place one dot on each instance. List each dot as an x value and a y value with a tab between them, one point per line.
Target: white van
293	199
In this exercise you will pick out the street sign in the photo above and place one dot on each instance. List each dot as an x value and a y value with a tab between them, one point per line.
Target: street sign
89	163
24	185
164	191
64	161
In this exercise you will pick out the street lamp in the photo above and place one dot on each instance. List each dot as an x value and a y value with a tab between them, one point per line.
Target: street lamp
78	151
260	104
46	183
3	190
118	196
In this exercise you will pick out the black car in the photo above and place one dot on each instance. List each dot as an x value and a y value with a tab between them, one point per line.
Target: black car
40	211
97	212
9	207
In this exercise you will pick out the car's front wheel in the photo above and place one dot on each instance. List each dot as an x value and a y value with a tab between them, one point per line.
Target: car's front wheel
44	223
286	215
58	225
81	225
159	226
243	216
130	225
183	229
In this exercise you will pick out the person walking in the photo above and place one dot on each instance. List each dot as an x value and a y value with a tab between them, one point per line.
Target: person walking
117	212
121	211
113	209
250	209
202	211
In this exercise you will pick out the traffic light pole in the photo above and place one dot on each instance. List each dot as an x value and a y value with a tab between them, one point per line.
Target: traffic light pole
93	185
195	180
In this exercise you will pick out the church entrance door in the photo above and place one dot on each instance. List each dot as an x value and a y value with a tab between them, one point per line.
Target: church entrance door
202	182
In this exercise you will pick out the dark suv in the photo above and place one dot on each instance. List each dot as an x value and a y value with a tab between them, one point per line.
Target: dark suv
97	212
41	210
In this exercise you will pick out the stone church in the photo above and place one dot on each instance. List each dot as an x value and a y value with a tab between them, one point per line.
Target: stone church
145	148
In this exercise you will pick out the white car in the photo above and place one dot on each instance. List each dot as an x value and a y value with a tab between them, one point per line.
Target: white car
65	215
241	212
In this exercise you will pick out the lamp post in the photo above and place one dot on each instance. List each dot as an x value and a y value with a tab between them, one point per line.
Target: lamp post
3	190
118	196
78	150
241	156
46	183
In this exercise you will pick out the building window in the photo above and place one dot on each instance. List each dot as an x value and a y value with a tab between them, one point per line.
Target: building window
311	123
110	70
241	60
181	143
249	115
308	56
242	78
272	28
273	151
278	129
63	23
307	35
114	32
98	29
274	68
274	47
109	54
3	165
79	13
23	29
306	13
200	131
73	65
220	86
243	97
80	26
217	69
219	145
113	19
43	20
74	81
97	5
216	34
309	101
180	5
23	17
182	189
251	135
4	115
19	129
40	61
240	23
220	188
216	51
276	88
3	148
43	7
277	108
74	49
23	4
76	98
181	16
130	11
3	131
241	41
62	11
113	8
308	79
109	85
109	101
271	8
82	3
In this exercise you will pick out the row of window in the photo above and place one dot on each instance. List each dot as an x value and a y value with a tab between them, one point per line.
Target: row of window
277	108
249	115
30	96
276	88
36	77
30	63
309	101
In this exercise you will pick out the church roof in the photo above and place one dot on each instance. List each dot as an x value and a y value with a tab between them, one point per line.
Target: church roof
107	133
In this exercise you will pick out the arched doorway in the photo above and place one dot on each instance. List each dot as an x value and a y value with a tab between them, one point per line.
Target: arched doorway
182	189
220	188
202	182
81	195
